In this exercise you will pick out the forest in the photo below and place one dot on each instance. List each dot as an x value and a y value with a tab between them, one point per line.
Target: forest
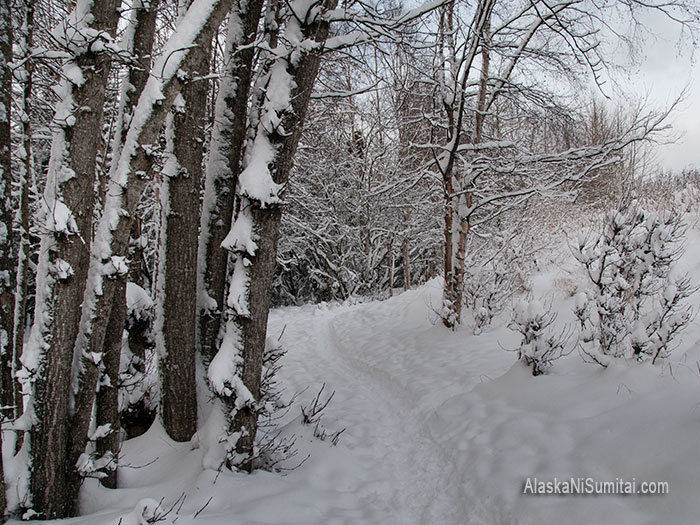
195	192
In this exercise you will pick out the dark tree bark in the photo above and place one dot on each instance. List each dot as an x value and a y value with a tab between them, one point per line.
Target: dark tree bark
406	264
7	263
266	223
107	398
390	264
178	402
137	163
25	172
7	238
81	133
223	168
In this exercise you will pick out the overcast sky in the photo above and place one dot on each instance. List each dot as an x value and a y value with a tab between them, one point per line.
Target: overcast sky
666	67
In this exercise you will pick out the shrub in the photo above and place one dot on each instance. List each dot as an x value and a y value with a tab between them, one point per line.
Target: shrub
537	349
636	305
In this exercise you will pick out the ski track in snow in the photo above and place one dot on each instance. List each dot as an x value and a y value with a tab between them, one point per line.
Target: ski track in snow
445	427
389	383
442	428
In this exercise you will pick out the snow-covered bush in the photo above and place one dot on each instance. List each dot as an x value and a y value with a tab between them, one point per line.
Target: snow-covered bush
636	304
539	347
497	270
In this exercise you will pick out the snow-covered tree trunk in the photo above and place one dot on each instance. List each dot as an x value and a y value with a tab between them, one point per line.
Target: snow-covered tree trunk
176	309
139	41
7	263
222	170
133	165
107	396
128	179
7	238
466	201
453	82
24	170
64	258
283	95
448	293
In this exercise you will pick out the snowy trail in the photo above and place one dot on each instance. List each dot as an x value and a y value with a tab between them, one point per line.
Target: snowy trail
389	383
442	428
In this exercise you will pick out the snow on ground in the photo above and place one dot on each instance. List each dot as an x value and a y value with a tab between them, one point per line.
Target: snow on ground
441	428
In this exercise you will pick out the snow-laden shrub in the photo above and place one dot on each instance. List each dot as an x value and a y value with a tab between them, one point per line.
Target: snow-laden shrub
496	270
636	303
539	347
271	447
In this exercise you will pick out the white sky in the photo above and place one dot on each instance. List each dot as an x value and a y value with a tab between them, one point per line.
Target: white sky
666	67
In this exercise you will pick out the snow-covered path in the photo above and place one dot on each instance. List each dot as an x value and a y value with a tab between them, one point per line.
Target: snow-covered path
390	374
442	428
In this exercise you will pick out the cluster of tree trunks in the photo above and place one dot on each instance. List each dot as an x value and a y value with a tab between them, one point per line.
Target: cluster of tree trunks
72	358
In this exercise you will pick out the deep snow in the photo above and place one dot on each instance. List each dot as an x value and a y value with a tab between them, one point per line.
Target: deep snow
441	428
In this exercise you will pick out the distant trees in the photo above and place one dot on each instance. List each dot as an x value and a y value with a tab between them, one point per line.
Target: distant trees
458	113
484	167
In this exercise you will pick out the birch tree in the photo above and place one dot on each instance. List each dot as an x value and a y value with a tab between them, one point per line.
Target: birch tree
560	39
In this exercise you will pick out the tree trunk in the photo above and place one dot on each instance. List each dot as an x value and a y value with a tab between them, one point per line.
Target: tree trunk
250	318
467	198
142	27
7	262
136	255
7	237
223	168
143	30
448	294
180	222
406	264
107	397
63	266
126	186
254	327
25	173
456	226
390	265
